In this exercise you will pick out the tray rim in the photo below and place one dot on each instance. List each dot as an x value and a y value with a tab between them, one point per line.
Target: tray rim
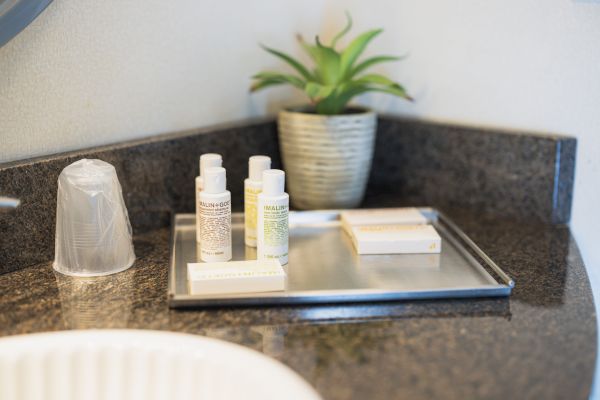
501	289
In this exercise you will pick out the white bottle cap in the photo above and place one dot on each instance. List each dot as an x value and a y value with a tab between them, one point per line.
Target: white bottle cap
273	182
215	180
208	160
256	166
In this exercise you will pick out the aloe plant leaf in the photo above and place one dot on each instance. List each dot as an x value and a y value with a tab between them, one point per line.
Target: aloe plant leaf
328	63
344	93
350	90
317	91
396	91
261	84
336	102
355	49
343	32
376	79
328	108
309	49
284	78
291	61
369	62
383	84
335	77
330	105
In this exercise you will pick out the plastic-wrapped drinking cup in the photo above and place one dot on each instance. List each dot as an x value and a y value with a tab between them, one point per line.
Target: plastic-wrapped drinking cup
93	233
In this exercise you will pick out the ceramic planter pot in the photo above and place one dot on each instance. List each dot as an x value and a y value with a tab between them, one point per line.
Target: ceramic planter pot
327	158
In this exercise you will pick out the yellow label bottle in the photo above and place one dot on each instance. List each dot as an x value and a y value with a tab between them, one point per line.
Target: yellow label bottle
252	187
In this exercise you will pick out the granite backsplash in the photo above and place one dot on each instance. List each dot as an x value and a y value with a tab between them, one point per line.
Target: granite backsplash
508	174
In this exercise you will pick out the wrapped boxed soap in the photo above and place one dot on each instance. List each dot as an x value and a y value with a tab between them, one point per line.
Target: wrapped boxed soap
236	277
396	239
381	216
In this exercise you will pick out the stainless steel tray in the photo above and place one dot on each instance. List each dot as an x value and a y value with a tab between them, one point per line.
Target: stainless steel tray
323	267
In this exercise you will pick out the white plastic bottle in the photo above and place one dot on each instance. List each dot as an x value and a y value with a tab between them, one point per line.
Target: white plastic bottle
207	160
214	206
273	218
252	187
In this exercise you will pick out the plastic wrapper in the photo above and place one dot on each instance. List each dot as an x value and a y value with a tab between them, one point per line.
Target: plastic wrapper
93	233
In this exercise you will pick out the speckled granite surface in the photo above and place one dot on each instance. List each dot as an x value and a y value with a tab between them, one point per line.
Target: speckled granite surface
538	344
515	175
512	174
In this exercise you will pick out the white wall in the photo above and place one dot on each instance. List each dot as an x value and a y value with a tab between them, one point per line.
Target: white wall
93	72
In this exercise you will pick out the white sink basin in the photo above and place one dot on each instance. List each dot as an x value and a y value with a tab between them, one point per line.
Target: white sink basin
138	364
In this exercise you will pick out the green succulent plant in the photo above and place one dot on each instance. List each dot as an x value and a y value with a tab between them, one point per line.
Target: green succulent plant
337	77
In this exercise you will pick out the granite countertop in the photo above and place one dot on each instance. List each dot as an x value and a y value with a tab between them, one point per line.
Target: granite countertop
539	343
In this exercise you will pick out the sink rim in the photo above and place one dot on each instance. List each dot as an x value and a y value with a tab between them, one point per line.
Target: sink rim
19	345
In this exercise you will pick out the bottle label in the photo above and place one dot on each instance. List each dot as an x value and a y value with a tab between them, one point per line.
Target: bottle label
250	212
274	231
276	225
215	220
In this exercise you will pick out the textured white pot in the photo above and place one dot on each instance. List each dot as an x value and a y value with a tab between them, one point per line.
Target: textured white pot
327	159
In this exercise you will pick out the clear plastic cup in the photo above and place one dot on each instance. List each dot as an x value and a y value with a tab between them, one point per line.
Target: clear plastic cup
93	233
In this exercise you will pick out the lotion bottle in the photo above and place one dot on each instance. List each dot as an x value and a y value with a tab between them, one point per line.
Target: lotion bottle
214	206
207	160
252	187
273	218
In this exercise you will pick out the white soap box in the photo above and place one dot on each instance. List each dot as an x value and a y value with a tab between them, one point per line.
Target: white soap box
381	216
396	239
235	277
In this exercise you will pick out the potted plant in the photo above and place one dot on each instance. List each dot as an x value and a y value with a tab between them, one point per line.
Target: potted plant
327	146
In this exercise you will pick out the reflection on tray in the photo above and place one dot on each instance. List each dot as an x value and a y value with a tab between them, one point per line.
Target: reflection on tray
404	261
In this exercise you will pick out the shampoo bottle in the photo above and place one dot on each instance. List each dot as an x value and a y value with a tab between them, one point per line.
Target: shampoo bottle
273	220
214	206
252	187
206	161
